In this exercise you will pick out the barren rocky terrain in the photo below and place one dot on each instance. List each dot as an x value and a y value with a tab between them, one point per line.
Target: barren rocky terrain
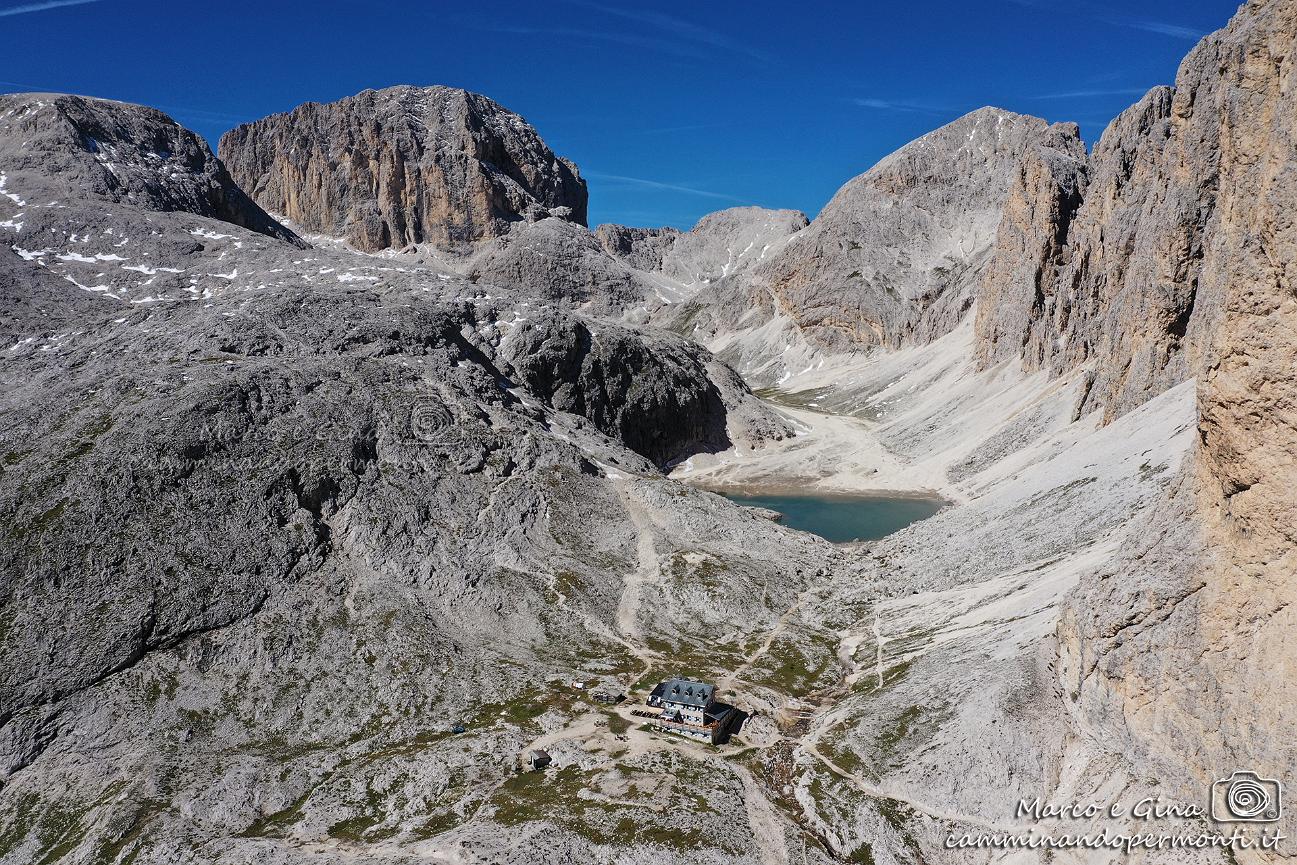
337	472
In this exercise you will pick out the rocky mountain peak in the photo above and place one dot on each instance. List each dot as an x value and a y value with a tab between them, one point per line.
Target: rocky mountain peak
897	253
404	165
58	144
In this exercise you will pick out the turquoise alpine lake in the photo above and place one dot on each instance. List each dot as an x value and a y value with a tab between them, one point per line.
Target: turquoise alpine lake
841	518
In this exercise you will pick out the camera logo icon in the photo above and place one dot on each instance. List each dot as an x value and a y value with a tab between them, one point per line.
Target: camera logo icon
1246	797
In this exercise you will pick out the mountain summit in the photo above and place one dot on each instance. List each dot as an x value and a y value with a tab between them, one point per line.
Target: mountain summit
404	165
62	146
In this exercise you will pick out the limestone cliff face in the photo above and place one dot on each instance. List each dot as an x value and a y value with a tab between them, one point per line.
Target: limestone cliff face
389	168
74	146
897	254
1031	245
1186	645
1114	279
1129	297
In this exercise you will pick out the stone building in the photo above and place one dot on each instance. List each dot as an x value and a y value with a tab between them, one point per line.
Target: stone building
689	708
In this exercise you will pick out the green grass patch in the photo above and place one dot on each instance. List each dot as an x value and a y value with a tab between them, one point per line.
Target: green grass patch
794	399
277	824
897	813
707	573
127	847
522	711
59	827
862	855
40	524
696	660
901	728
436	824
556	797
796	667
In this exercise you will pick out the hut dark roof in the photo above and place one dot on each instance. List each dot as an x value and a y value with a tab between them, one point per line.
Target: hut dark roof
687	692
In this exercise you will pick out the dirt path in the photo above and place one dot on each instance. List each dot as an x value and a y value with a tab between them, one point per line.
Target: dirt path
764	819
592	624
781	625
870	789
767	822
648	571
584	727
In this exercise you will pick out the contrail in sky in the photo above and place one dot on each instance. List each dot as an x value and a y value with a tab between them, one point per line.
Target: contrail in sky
41	7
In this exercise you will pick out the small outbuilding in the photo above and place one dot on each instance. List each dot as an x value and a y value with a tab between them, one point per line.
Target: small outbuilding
538	759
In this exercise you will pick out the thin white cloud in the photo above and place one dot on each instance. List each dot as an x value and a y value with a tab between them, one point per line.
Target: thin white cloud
675	26
41	7
655	184
1163	28
667	46
1085	94
891	105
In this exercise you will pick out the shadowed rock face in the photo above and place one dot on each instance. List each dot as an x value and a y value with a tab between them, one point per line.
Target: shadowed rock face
406	165
60	145
653	393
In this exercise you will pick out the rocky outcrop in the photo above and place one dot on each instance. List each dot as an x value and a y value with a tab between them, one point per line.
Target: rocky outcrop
297	569
653	394
60	146
406	165
1031	247
559	261
1127	297
299	515
35	300
641	248
722	244
618	271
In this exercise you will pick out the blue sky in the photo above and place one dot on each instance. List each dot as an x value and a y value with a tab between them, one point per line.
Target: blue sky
672	110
